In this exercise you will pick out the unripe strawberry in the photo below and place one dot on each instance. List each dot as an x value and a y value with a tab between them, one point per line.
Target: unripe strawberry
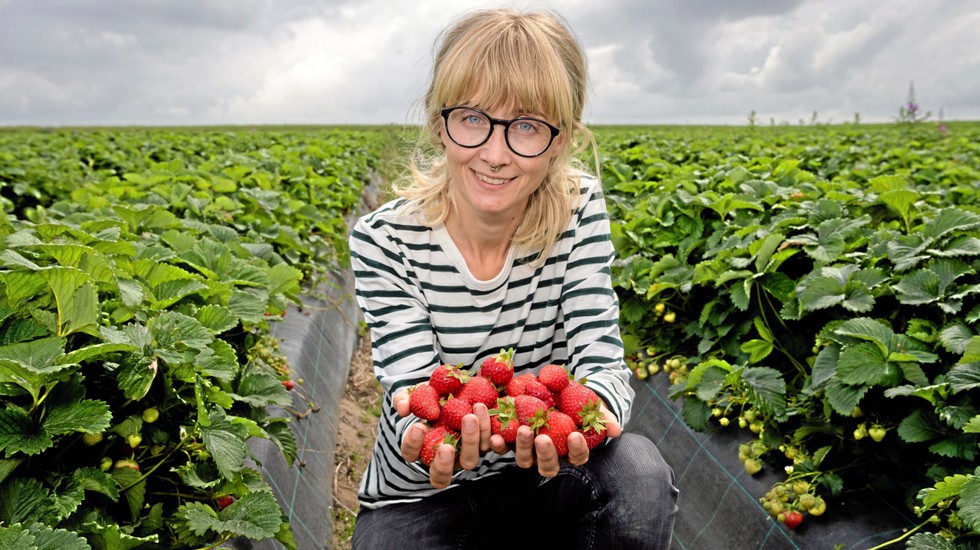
134	440
91	439
151	415
126	463
105	464
670	317
752	465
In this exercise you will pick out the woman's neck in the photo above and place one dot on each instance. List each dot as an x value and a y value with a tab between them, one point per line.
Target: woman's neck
484	243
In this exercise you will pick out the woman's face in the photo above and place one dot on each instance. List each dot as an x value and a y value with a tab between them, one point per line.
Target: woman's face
502	195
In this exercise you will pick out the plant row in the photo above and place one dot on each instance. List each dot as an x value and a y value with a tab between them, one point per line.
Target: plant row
818	288
139	272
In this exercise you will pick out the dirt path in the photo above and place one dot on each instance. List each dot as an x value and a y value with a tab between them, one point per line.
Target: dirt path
359	411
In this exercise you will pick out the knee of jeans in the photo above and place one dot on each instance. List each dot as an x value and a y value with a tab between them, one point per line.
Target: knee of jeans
640	462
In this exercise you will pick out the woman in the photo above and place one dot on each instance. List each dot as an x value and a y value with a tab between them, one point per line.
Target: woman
499	240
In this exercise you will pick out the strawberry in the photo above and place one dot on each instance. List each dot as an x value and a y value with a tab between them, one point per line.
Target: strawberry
554	377
503	419
224	501
517	384
593	436
453	411
530	410
539	390
558	428
434	438
578	401
288	384
792	519
447	379
423	400
479	389
499	367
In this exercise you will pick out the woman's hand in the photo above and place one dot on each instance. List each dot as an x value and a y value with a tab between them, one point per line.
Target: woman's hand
530	449
474	441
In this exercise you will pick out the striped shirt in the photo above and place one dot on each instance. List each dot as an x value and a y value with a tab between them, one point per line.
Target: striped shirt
425	308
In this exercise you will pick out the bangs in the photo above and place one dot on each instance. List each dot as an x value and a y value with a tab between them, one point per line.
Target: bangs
488	68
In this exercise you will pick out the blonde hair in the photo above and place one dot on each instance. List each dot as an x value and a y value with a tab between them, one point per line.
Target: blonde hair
530	62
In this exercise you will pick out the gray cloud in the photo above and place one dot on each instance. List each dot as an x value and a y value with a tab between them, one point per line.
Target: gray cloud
66	62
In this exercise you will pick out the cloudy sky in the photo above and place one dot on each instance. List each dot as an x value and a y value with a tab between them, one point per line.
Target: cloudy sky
202	62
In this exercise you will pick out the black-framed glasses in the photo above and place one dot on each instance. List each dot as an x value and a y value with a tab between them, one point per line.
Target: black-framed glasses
526	136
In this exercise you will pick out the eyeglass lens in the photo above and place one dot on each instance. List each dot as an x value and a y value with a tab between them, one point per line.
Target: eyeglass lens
525	136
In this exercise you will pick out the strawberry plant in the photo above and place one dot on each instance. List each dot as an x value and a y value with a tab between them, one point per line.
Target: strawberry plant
823	294
137	284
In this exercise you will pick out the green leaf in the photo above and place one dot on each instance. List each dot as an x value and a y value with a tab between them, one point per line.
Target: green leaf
78	305
132	487
261	389
7	467
112	537
695	413
226	443
969	504
864	328
962	447
95	351
972	427
16	537
842	397
18	434
950	220
135	375
863	364
284	279
246	306
757	349
170	292
95	480
255	515
964	377
37	356
87	415
919	427
825	365
766	389
25	500
46	538
930	541
22	286
279	432
216	318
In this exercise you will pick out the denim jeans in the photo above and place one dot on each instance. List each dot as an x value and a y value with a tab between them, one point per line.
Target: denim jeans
622	498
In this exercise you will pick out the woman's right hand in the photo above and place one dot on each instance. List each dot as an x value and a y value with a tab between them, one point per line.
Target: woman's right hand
474	441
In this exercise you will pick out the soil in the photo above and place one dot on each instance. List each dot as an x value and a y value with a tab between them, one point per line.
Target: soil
359	410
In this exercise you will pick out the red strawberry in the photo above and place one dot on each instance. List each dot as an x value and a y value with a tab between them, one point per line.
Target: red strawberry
558	428
479	389
593	436
577	400
531	411
224	501
447	379
539	390
792	519
423	401
499	367
503	419
288	384
453	411
517	384
435	437
554	377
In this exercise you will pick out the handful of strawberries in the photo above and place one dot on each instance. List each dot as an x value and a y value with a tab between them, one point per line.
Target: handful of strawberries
550	402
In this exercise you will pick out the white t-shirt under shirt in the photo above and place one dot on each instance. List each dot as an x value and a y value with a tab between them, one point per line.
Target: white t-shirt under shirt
425	308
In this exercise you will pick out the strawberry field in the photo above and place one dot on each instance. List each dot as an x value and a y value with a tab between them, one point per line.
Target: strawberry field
139	274
817	289
812	291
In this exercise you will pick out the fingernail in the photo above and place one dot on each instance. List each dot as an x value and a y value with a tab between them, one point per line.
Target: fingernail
445	453
469	424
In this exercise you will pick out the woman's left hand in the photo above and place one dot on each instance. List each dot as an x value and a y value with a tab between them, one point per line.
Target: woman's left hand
530	449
